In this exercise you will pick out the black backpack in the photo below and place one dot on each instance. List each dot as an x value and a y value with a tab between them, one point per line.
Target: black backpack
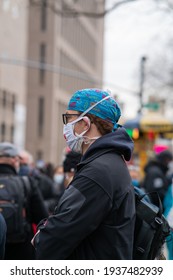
14	192
151	227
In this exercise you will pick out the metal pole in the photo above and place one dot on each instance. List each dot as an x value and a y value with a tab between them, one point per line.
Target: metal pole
142	79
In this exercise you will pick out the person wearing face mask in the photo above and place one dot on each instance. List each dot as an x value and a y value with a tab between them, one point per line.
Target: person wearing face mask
69	165
58	176
64	173
16	194
95	216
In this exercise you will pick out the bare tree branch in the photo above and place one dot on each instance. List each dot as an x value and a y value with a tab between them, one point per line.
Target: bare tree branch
160	71
67	11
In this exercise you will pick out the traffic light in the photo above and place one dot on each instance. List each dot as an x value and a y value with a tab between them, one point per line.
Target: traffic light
133	133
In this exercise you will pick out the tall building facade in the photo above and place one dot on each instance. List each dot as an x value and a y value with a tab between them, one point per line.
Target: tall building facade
60	54
13	45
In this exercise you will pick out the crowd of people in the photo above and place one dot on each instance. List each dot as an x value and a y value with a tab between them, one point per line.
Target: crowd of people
44	192
85	207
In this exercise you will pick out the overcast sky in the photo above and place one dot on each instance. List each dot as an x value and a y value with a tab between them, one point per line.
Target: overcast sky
131	31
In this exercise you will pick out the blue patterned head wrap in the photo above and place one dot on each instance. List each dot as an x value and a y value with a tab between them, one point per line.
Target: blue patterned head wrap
107	109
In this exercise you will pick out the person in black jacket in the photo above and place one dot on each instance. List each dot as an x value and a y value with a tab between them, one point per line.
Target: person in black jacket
35	209
156	179
95	216
3	230
43	181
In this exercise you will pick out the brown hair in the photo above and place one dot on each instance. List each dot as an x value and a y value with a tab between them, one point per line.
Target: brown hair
103	126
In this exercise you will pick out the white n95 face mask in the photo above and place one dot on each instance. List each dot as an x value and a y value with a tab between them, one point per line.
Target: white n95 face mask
74	142
58	178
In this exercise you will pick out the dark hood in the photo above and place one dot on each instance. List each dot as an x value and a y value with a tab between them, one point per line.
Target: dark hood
119	141
160	161
155	163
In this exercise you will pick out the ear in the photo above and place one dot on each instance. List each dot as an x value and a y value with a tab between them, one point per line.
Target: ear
87	120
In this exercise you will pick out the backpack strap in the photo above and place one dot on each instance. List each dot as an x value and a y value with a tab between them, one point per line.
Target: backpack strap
140	195
27	193
159	203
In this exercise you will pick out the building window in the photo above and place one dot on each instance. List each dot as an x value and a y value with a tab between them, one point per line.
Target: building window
39	155
6	5
12	133
42	61
4	98
43	15
13	102
40	116
3	131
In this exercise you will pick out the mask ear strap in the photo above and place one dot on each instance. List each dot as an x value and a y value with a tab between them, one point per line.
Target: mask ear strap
88	121
94	105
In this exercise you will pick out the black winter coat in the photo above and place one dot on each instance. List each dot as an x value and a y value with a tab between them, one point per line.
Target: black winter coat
36	211
3	230
155	179
95	217
47	189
